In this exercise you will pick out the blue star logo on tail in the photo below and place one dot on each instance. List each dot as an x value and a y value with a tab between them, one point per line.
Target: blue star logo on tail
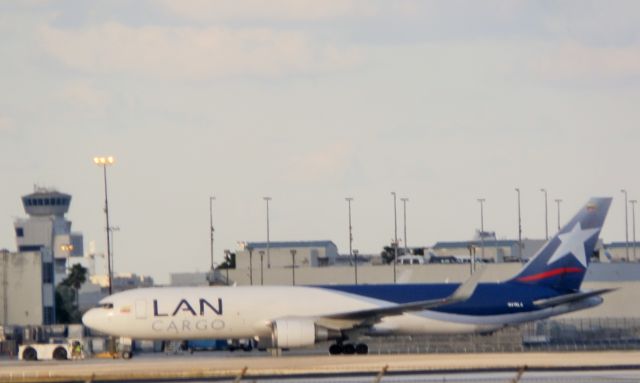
562	262
573	243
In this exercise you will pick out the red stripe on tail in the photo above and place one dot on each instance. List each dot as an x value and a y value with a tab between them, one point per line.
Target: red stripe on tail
551	273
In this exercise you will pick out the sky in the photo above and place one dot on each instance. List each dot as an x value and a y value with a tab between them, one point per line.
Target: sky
309	102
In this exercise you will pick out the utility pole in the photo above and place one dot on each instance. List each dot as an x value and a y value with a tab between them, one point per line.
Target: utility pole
546	221
113	229
267	199
351	254
558	203
472	256
104	162
395	243
473	263
293	267
261	267
633	227
626	223
404	208
519	227
211	230
250	265
227	256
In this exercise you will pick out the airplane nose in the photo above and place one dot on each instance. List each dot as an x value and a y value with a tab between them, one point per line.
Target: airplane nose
90	319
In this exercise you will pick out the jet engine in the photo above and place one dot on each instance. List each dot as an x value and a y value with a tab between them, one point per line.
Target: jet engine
299	332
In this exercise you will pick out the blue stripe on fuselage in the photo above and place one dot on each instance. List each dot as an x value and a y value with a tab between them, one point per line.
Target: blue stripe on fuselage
488	298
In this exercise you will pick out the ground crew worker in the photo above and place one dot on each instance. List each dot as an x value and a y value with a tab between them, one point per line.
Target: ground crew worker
76	350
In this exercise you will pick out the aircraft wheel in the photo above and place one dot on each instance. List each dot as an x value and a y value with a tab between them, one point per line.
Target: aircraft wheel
335	349
349	349
30	353
362	349
126	355
60	354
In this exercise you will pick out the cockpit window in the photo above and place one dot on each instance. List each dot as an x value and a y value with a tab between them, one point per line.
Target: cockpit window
105	305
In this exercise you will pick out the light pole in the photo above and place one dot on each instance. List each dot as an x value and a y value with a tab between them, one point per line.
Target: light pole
293	267
351	255
113	229
633	227
261	267
355	257
67	249
404	212
395	243
104	162
558	203
227	256
250	265
519	227
472	255
626	223
211	230
473	263
546	211
267	199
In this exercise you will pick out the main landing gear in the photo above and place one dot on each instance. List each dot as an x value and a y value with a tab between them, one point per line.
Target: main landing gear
348	349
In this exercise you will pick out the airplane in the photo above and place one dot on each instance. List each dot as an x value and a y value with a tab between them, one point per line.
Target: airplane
284	317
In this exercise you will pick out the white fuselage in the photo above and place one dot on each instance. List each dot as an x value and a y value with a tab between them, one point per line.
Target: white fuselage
247	312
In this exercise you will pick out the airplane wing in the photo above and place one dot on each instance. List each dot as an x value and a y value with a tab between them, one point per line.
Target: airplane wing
368	317
568	298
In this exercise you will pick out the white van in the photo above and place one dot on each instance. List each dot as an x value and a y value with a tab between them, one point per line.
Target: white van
411	260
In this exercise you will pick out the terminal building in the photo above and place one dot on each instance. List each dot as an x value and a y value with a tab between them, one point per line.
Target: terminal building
485	247
623	251
27	292
122	281
282	254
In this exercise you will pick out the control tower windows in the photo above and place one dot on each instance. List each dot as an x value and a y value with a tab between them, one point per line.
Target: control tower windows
47	272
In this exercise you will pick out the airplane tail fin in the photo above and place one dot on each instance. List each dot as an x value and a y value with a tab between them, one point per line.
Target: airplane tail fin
562	262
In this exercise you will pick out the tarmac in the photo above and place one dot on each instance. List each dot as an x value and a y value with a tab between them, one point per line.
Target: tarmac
224	365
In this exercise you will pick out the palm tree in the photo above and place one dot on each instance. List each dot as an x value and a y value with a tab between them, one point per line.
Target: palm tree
77	276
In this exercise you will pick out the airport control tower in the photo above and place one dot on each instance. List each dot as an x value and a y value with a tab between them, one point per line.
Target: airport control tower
47	227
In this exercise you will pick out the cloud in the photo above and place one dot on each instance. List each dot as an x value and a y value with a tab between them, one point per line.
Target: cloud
192	52
83	93
276	10
593	22
9	132
329	161
574	61
6	126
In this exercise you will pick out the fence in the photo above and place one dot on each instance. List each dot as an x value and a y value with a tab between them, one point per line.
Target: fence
547	335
